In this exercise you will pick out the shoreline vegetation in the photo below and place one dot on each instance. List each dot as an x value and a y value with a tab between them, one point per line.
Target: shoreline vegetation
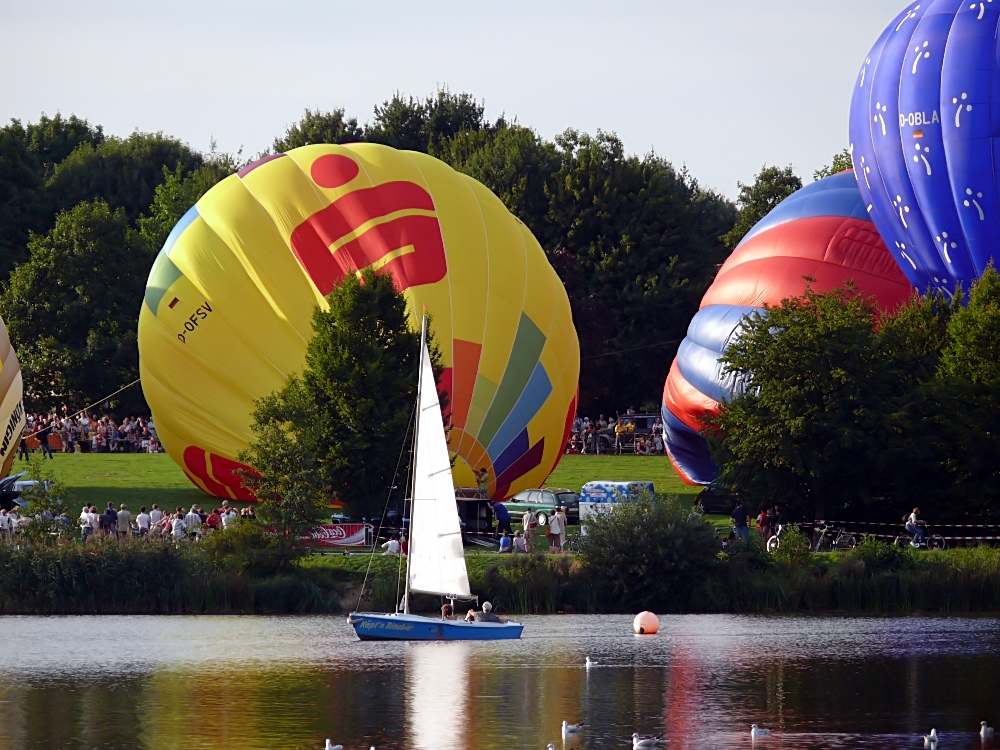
135	577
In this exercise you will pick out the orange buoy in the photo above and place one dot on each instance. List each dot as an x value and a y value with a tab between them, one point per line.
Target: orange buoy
645	623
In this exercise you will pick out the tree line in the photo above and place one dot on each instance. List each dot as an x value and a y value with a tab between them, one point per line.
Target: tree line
635	240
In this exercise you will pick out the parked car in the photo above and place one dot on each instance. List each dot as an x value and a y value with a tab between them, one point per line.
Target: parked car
10	491
544	503
717	497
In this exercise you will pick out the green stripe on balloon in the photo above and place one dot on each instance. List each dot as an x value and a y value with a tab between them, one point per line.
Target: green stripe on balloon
528	344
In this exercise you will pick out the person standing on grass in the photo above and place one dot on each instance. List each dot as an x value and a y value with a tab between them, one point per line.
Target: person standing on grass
192	521
739	518
124	521
177	526
156	515
555	533
214	520
144	521
563	526
529	521
43	439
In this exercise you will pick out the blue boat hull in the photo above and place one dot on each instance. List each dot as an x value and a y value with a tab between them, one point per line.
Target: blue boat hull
399	627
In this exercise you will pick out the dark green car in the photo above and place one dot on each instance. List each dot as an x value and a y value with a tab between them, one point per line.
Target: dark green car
544	503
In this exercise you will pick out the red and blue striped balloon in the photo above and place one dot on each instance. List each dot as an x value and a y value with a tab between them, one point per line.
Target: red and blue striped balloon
822	232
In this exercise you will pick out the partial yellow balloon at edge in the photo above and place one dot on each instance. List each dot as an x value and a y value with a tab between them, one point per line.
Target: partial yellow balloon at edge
227	312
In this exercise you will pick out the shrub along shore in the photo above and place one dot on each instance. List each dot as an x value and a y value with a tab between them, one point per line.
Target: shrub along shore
109	577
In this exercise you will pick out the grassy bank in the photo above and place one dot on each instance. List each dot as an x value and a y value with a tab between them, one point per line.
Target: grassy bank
137	578
962	581
111	577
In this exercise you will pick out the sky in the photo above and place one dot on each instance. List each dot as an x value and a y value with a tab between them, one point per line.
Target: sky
719	86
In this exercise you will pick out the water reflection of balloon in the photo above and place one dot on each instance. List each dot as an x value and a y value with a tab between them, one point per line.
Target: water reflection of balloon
822	232
924	142
228	306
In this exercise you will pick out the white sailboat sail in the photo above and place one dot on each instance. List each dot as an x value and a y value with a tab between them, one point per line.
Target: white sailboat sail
436	562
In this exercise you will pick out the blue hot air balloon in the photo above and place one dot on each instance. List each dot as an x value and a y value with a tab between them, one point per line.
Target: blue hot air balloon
925	138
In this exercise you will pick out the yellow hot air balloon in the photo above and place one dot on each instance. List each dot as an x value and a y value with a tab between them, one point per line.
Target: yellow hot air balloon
11	403
228	305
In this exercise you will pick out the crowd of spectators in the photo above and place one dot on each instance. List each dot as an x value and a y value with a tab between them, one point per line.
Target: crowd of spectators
617	434
81	433
178	525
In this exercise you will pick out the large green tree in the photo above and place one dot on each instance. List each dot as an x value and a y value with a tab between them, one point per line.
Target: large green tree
320	127
635	242
72	308
414	124
52	139
841	162
336	431
174	197
812	400
22	200
123	172
756	200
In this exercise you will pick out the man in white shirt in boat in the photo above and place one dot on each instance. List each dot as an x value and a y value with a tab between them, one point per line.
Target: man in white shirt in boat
485	616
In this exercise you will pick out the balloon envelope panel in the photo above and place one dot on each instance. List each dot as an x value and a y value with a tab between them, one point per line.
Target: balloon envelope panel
12	417
228	307
821	232
923	129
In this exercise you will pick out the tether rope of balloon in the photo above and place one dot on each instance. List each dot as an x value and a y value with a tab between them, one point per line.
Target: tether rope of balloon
385	508
91	405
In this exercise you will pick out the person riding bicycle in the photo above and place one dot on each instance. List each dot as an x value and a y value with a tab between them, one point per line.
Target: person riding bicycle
916	527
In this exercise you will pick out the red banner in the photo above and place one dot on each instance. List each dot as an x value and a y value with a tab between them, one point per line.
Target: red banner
338	535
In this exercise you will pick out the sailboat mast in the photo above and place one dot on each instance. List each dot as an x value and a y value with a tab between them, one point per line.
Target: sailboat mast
413	463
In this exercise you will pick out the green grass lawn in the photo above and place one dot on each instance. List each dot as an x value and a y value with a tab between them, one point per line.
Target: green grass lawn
135	479
575	471
142	479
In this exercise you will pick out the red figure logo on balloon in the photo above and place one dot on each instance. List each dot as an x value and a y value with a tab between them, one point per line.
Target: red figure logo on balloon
391	228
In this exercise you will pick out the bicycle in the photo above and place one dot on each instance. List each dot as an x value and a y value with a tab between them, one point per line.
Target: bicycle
929	541
774	542
829	539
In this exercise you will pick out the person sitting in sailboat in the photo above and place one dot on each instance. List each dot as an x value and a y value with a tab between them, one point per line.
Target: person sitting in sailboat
485	616
447	612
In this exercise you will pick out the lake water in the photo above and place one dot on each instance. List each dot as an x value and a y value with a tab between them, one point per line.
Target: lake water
185	683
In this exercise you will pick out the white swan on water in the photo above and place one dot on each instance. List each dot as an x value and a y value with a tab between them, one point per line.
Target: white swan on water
930	740
570	730
590	663
986	732
331	746
756	732
645	743
550	746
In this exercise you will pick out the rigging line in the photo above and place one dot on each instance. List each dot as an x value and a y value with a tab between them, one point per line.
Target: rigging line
634	349
385	508
95	403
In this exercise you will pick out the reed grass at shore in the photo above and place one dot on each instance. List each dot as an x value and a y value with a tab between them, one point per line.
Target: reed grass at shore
110	577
